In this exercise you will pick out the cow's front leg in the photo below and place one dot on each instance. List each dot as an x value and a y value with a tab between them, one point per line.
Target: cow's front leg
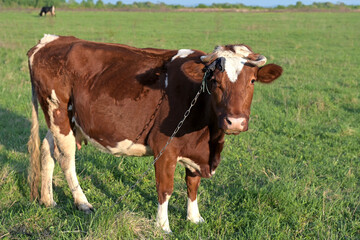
192	182
164	171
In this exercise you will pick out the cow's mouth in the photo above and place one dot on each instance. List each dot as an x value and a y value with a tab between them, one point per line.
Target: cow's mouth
232	132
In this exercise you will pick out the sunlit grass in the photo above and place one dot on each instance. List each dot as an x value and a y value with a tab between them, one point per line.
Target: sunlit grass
293	175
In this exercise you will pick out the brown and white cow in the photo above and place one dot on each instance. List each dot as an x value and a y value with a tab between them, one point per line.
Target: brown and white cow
106	93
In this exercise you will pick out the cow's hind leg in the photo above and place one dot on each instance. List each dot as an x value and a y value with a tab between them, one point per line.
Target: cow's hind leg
66	158
64	140
192	183
47	169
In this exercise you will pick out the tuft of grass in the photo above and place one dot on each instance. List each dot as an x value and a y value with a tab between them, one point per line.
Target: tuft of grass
128	225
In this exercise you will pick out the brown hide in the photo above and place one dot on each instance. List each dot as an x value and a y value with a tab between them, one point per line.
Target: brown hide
105	84
199	137
112	93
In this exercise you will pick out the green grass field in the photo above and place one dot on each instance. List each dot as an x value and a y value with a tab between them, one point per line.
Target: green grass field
294	175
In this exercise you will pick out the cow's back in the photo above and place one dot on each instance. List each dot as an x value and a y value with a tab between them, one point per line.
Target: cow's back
111	90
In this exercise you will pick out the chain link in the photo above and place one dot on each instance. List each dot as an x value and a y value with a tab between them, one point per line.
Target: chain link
151	118
186	114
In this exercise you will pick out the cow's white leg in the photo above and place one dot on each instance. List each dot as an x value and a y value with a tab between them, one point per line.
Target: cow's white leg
192	182
162	219
164	172
65	143
67	146
47	169
193	212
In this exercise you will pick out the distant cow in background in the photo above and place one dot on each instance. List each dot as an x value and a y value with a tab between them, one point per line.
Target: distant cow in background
46	10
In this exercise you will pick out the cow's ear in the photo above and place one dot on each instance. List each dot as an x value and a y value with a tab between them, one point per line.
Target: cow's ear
193	70
269	73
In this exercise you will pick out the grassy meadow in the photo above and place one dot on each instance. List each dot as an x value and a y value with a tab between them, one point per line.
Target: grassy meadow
294	175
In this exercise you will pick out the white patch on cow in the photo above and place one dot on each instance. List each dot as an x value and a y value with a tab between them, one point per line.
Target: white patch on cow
166	81
242	50
233	67
162	219
45	40
125	147
66	146
189	164
54	100
193	212
212	172
129	148
182	53
234	61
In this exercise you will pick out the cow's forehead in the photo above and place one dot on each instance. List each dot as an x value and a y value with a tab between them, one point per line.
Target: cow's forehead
235	56
233	50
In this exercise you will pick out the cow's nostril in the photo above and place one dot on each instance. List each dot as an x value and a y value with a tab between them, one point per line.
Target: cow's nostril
228	121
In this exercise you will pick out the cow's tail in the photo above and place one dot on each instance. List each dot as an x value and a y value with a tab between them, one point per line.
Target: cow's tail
34	148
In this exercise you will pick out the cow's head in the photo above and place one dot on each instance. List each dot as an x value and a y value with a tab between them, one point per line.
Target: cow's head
237	68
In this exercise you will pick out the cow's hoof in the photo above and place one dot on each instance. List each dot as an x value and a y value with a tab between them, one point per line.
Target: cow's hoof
85	207
165	227
167	230
48	204
196	220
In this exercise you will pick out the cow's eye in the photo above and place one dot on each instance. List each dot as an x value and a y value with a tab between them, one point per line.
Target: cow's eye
214	81
252	81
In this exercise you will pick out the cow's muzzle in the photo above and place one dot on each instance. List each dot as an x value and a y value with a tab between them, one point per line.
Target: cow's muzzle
233	125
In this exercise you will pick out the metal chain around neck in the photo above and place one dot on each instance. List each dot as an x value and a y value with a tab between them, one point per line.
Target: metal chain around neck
150	119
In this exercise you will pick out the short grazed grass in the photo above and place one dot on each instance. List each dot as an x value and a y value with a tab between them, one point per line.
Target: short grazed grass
294	175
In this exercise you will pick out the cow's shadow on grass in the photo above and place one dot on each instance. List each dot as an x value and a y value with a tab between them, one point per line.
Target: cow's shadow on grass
109	180
93	164
14	131
351	109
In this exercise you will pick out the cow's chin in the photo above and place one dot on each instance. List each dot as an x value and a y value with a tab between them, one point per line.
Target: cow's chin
232	132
